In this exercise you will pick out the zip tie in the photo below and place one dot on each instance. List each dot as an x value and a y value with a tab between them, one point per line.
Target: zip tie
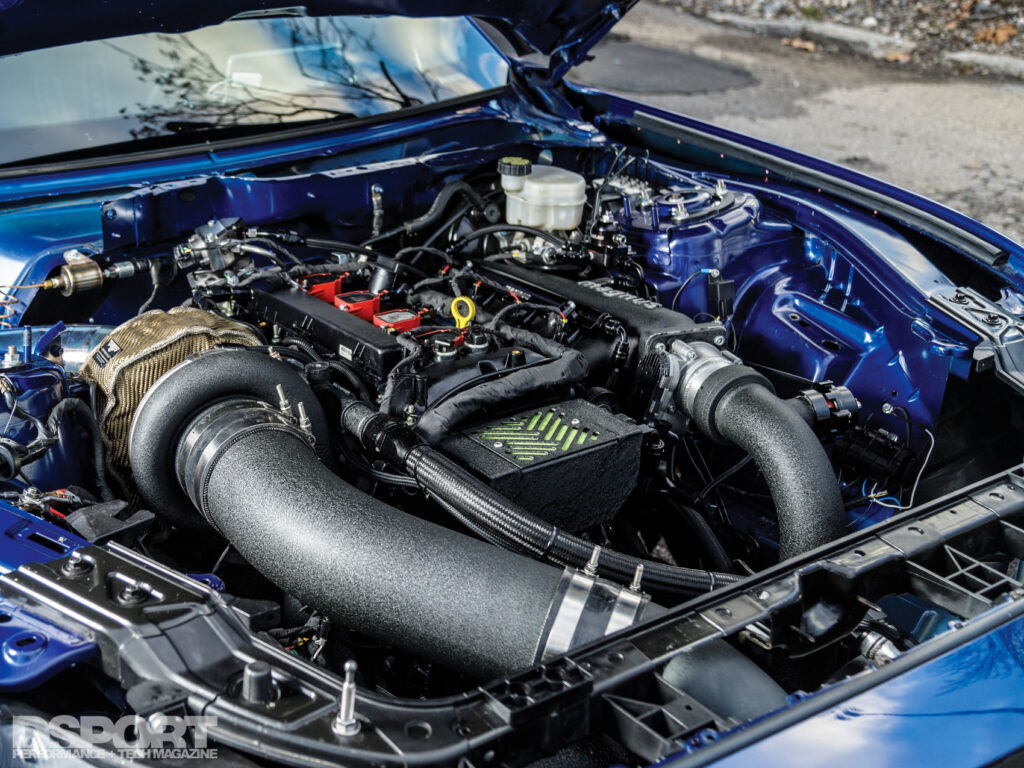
551	541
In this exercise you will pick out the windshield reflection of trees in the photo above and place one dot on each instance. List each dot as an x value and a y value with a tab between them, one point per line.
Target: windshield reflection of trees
190	92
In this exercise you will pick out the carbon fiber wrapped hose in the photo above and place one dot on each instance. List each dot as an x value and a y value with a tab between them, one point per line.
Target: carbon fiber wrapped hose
502	519
443	478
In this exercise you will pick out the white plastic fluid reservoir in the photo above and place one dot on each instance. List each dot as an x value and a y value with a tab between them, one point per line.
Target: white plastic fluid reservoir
542	196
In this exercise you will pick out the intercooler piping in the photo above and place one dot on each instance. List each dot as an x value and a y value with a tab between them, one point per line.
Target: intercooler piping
732	403
254	475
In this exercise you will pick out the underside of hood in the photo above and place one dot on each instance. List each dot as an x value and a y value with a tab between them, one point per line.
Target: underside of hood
565	29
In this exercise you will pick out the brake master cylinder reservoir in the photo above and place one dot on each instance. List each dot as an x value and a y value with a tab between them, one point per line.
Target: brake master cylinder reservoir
541	196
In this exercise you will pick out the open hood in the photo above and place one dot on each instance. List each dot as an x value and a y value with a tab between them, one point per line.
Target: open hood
564	30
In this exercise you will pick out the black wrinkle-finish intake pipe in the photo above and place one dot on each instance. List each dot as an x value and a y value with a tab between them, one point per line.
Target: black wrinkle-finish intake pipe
732	403
792	461
375	568
173	401
254	474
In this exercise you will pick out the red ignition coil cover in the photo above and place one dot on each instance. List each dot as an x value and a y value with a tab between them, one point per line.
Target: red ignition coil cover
325	290
359	303
398	320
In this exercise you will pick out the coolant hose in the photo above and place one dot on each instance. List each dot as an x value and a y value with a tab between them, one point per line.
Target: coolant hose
705	536
437	209
98	458
441	203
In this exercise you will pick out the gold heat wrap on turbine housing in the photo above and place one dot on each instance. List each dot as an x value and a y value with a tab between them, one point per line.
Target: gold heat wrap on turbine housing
130	360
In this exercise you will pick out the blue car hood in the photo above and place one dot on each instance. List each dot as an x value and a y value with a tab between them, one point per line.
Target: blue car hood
565	29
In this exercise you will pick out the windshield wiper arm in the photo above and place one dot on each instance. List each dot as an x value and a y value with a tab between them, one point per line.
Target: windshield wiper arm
198	126
272	13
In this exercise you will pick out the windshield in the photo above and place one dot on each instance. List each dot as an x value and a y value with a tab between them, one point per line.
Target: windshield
235	76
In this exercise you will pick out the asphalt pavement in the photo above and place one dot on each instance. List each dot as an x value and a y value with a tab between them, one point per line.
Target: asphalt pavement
957	139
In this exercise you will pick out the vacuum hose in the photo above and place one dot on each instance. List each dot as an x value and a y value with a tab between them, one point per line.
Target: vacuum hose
254	475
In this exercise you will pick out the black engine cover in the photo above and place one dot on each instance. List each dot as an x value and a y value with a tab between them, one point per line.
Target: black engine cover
372	349
646	321
573	464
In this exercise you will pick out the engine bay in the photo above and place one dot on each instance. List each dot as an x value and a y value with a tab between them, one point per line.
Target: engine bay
427	422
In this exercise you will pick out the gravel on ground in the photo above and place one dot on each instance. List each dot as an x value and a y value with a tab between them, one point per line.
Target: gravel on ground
934	27
953	138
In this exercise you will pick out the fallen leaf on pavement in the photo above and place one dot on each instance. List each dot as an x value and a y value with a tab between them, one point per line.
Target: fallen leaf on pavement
900	57
800	45
998	35
965	9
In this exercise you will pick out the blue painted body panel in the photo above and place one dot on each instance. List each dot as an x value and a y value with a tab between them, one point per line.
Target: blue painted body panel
848	255
24	538
854	310
959	710
38	387
840	291
33	650
836	293
620	107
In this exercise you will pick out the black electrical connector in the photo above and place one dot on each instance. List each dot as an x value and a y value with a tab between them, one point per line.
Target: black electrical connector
872	453
721	294
828	408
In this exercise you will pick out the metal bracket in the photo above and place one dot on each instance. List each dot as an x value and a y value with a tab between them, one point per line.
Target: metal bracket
1001	333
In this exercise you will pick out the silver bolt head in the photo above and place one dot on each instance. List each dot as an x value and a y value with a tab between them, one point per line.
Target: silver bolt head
638	575
346	728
